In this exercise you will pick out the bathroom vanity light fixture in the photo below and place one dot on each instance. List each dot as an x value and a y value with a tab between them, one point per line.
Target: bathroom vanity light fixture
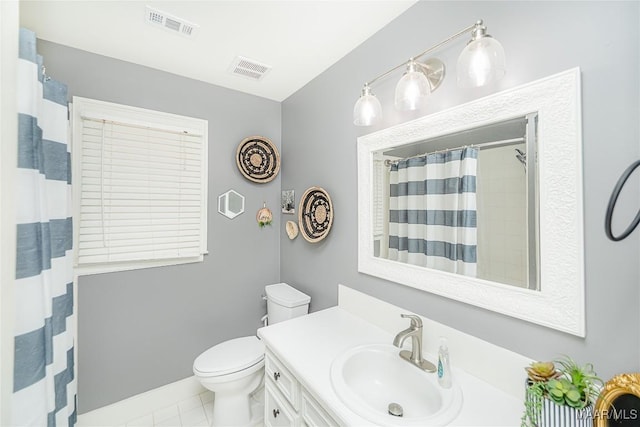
481	62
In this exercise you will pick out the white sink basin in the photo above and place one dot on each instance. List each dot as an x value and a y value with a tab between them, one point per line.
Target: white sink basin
368	378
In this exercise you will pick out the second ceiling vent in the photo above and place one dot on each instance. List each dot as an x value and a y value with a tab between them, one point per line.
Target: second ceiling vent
249	68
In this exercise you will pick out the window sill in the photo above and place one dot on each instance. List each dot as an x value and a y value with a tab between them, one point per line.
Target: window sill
87	270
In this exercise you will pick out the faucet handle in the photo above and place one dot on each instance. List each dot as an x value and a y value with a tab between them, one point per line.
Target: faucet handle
416	321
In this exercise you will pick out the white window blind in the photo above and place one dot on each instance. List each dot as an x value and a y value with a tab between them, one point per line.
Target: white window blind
378	198
141	186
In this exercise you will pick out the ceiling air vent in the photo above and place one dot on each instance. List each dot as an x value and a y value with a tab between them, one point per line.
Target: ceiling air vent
249	68
170	23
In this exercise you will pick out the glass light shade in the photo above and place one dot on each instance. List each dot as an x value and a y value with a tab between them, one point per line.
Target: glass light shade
412	89
367	109
481	62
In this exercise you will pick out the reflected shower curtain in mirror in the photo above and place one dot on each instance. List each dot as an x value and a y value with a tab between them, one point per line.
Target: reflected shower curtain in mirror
432	211
44	385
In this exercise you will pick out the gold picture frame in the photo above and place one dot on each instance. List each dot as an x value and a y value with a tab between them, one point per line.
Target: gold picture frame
619	386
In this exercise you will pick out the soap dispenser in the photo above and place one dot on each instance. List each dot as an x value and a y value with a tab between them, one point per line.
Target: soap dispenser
444	367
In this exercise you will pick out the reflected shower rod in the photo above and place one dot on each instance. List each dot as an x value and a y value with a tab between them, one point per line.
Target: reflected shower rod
491	144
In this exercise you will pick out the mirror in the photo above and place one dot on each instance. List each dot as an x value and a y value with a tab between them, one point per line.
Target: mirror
438	206
618	403
231	204
547	287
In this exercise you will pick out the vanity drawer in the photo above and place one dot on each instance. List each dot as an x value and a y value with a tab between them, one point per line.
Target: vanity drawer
282	379
312	413
277	412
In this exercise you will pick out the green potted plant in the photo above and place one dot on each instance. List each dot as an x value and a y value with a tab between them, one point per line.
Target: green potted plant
560	393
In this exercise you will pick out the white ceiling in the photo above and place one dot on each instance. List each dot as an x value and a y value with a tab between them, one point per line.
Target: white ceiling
298	38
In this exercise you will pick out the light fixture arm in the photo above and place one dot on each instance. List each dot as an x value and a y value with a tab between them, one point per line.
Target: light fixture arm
477	28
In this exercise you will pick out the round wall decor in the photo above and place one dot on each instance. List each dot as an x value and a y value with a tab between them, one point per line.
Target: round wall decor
315	214
258	159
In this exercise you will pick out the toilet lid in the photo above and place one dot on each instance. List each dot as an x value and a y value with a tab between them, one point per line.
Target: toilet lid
229	356
286	296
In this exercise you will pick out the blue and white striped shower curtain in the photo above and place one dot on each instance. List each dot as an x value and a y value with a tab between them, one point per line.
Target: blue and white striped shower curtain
44	383
432	211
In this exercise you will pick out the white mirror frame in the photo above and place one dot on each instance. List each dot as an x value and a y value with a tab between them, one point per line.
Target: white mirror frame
560	303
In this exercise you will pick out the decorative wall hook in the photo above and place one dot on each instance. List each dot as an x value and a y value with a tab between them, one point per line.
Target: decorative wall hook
612	204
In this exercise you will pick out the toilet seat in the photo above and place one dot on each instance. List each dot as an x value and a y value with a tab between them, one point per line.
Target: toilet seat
229	357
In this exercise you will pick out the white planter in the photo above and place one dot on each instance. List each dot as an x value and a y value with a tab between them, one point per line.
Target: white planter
554	415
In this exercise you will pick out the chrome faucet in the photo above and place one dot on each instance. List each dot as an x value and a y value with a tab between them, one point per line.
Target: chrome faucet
415	355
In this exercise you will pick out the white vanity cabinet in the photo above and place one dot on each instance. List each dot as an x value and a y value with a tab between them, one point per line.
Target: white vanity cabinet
300	353
277	410
287	402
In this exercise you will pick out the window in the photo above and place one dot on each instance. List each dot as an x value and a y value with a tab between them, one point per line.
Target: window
379	201
380	204
140	187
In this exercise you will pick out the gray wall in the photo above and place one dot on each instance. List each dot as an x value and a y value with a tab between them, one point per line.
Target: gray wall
142	329
540	39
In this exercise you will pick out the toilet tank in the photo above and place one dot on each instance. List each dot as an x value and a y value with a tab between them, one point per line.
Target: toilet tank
285	302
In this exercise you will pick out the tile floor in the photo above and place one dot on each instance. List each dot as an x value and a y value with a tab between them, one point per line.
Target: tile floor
193	412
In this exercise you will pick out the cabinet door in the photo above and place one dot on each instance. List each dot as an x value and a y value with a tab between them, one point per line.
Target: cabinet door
277	412
282	379
312	413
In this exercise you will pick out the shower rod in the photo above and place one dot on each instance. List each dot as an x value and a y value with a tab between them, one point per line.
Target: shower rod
491	144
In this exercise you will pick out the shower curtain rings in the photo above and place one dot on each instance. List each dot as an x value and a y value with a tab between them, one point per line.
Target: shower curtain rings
612	204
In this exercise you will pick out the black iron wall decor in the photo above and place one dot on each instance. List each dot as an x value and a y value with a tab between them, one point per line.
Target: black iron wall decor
612	204
258	159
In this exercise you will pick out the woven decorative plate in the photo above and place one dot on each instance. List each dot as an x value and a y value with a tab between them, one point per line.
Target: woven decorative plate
315	214
258	159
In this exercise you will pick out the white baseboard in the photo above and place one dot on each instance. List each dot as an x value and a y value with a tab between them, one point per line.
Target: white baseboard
119	413
497	366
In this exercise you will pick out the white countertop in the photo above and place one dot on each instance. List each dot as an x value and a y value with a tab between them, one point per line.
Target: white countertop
308	345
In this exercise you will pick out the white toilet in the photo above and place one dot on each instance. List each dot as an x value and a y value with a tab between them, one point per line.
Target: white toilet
234	369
